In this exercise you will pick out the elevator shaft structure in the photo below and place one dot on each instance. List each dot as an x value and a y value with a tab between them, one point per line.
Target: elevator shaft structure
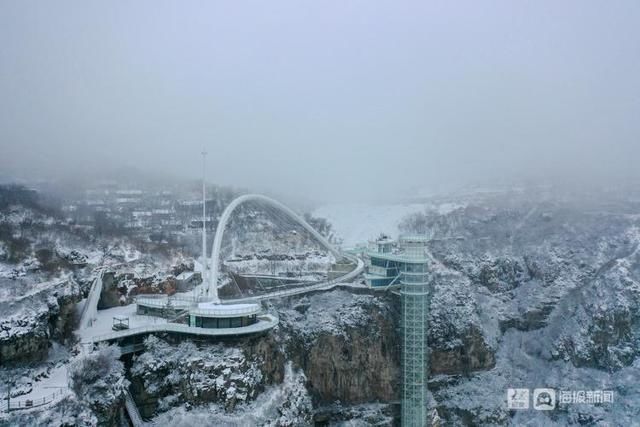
405	265
414	294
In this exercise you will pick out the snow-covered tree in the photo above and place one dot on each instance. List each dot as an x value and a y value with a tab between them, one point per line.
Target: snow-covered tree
98	380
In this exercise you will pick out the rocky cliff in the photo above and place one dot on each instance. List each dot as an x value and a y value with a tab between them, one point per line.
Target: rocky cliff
166	375
332	339
31	321
333	336
345	342
526	292
549	290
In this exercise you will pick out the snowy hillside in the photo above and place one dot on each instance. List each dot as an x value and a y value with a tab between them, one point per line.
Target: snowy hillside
528	290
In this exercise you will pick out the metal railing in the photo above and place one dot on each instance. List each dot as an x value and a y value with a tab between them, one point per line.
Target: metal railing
267	322
161	300
247	311
18	404
403	256
133	348
188	298
318	286
359	268
89	310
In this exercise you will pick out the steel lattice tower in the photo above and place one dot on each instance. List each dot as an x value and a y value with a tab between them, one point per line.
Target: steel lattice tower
415	308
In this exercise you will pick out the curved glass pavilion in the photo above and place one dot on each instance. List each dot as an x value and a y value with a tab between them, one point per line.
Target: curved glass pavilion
215	316
206	315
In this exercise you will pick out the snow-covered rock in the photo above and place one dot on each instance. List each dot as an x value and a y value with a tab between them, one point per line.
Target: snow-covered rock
284	405
99	383
334	335
166	375
35	315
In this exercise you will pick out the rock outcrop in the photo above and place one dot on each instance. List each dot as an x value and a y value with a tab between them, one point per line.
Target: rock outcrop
47	313
346	344
166	375
98	382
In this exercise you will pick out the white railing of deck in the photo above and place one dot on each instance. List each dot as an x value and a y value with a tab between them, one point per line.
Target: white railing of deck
265	322
26	403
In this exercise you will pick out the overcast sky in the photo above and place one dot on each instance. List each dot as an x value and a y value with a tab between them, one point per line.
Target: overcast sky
327	99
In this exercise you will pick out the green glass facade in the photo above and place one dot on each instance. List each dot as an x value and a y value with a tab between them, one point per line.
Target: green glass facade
406	265
381	271
414	293
221	322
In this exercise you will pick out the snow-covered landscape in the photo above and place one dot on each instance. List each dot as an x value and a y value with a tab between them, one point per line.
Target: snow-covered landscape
324	214
528	291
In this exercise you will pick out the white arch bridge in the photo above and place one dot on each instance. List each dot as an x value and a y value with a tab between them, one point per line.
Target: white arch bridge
212	285
96	327
186	302
183	304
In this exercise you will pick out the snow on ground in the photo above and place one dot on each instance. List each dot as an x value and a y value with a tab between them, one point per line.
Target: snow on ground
226	307
302	265
6	270
12	271
57	378
26	307
358	223
126	252
329	312
483	395
37	381
104	321
16	291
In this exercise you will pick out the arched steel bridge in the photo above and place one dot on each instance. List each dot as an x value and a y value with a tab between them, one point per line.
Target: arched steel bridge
212	288
90	310
268	320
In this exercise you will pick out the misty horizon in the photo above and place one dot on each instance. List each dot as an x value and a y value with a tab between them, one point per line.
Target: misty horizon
331	101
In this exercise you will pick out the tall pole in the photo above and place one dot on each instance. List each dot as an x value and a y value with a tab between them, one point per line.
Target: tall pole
204	218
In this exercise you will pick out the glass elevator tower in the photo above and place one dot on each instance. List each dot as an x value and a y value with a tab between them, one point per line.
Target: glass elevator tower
404	265
414	293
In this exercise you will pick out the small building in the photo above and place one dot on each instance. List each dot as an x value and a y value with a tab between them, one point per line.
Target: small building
215	316
387	259
382	264
206	315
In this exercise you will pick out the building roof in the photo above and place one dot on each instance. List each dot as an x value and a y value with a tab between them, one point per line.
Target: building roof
210	309
185	275
399	257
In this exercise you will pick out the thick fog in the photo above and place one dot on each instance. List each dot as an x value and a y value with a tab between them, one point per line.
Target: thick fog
324	99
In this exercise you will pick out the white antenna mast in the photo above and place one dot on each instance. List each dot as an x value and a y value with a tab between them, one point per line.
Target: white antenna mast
205	264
